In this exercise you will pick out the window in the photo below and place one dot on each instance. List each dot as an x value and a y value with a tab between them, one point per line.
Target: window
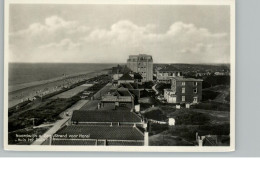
183	83
183	98
195	90
183	90
195	83
195	99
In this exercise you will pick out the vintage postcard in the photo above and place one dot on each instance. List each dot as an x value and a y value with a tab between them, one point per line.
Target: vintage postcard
139	76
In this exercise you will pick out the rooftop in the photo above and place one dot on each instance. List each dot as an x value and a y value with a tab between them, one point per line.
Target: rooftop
108	98
123	92
105	116
120	69
100	132
126	77
97	142
140	57
126	86
182	79
129	85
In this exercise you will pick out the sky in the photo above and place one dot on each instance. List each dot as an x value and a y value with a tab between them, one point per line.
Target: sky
110	33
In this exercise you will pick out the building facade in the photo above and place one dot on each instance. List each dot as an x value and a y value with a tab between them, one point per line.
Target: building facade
142	64
165	74
184	90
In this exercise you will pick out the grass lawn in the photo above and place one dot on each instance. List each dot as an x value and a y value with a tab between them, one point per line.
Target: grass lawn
211	105
165	139
46	112
188	122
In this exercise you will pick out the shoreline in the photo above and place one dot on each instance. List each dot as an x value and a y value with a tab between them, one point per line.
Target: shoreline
47	86
16	87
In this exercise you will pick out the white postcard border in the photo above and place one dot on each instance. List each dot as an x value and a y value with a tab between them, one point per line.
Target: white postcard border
231	3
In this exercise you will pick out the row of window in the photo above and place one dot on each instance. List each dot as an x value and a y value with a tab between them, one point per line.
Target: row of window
194	83
194	90
195	99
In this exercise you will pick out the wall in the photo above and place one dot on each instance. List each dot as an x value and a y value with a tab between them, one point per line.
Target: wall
189	94
136	66
125	81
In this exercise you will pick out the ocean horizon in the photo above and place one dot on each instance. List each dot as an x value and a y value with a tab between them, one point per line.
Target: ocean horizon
22	73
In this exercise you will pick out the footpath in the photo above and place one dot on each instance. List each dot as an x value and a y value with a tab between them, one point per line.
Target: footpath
65	115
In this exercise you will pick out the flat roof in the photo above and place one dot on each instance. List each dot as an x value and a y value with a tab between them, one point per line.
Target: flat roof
97	142
187	79
100	132
122	99
105	116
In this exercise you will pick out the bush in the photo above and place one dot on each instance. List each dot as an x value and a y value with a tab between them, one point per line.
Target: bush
209	95
212	80
45	113
183	131
156	128
222	129
212	106
161	86
148	85
188	132
155	115
227	98
192	118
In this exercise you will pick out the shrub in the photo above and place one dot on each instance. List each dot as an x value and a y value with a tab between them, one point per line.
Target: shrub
212	106
221	129
212	80
209	95
227	98
161	86
155	115
192	118
156	128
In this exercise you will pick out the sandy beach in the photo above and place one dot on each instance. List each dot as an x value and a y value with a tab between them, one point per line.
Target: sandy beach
23	92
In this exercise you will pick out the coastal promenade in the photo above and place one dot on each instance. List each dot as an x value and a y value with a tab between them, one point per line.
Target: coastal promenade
65	115
18	96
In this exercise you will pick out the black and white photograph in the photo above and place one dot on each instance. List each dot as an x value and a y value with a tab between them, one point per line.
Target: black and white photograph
140	76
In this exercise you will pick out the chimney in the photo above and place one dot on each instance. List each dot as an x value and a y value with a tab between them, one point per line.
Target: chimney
200	142
50	140
146	139
145	125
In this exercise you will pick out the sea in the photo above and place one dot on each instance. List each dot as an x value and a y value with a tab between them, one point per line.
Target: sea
22	73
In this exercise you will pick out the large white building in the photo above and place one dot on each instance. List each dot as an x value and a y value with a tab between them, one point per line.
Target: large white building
142	64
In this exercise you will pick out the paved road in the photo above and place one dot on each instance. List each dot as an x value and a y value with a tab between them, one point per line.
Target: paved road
60	123
154	88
